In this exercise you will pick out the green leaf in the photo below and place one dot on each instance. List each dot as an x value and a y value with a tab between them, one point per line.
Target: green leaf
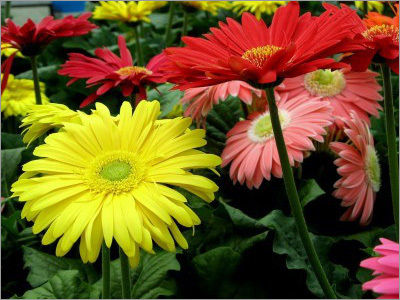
45	73
11	141
10	159
238	217
309	191
65	284
42	267
168	98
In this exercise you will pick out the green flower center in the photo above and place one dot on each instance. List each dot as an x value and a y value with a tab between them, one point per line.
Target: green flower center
261	128
373	168
325	83
116	170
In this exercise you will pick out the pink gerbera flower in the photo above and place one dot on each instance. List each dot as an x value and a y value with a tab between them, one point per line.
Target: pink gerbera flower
202	99
386	267
345	91
359	167
251	145
110	71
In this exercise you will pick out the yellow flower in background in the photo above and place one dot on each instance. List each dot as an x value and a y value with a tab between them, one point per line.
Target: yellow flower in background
256	7
372	5
101	180
7	50
19	96
41	118
131	11
210	6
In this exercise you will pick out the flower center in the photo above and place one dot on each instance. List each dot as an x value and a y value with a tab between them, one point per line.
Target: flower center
133	70
259	55
382	30
115	172
325	83
261	128
372	168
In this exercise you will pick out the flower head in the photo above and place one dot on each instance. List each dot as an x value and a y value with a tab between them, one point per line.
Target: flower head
110	71
252	52
101	180
344	89
19	96
202	99
209	6
131	11
386	270
372	5
251	145
359	167
258	8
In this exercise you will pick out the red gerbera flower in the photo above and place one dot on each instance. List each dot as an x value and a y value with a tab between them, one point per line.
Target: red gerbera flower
109	71
30	39
251	51
380	36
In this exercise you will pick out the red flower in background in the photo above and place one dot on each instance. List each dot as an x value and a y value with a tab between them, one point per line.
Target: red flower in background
110	71
293	45
30	39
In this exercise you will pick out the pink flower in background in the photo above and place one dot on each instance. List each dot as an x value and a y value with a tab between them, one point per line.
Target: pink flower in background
251	147
358	165
202	99
386	270
345	91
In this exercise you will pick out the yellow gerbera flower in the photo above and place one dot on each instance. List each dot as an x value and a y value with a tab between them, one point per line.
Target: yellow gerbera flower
257	7
8	50
210	6
41	118
19	96
372	5
130	11
101	180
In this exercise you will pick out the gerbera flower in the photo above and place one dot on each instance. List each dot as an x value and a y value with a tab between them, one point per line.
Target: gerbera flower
30	39
345	91
7	50
131	11
386	270
257	8
291	46
19	96
251	145
358	165
372	5
110	71
42	118
202	99
99	180
210	6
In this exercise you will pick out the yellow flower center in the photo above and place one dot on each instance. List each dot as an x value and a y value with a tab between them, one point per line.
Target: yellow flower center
259	55
382	30
372	168
325	83
261	129
133	70
115	172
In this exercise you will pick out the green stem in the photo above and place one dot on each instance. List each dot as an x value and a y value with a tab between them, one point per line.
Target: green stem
7	9
36	79
126	284
184	26
293	197
169	25
391	143
139	53
105	269
365	7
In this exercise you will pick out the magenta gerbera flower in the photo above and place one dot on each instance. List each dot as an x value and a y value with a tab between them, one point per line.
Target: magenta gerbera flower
345	91
251	147
386	270
358	165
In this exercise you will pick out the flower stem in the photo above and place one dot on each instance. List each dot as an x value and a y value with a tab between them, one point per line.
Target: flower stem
139	53
391	142
293	197
365	7
105	268
7	9
169	25
36	79
184	26
126	284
